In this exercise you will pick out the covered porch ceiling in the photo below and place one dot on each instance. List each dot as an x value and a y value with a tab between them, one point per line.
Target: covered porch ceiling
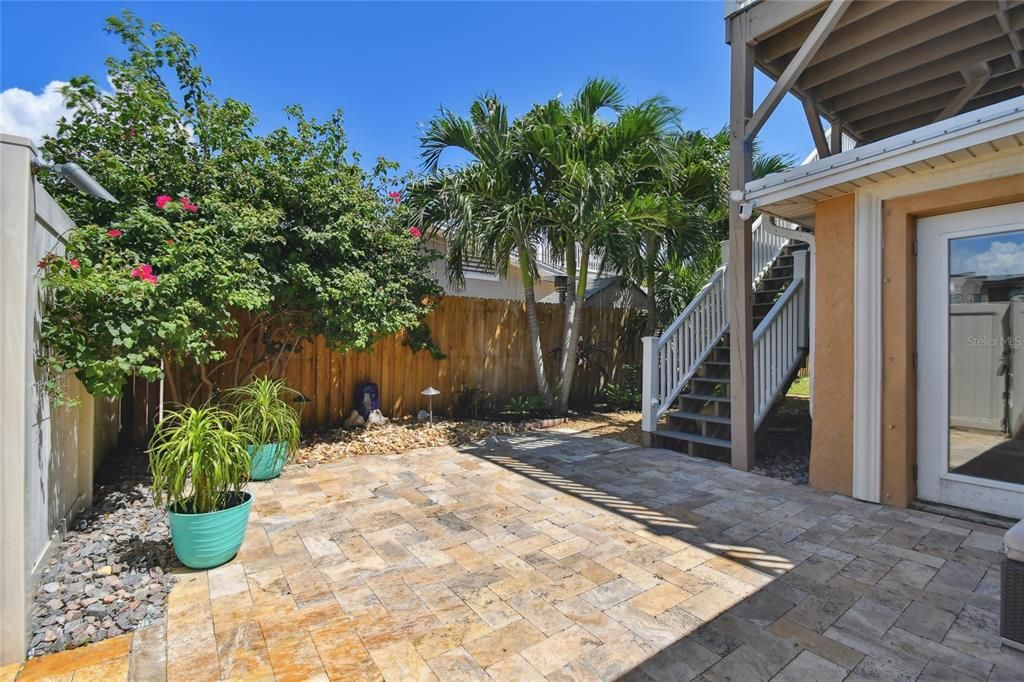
880	68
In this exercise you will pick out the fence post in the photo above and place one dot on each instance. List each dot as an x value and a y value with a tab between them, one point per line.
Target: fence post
800	273
725	252
649	389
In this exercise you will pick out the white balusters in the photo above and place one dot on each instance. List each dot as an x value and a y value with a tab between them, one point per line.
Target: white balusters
671	359
780	340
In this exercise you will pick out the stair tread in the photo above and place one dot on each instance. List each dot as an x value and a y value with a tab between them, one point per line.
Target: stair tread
711	380
694	438
699	396
697	416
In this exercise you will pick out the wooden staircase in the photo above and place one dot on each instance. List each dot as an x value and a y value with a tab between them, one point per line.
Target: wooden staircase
699	421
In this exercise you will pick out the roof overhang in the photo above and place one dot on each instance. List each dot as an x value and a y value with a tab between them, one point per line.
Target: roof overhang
792	194
883	67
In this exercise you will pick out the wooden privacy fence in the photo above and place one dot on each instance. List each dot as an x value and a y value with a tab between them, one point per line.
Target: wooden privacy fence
486	345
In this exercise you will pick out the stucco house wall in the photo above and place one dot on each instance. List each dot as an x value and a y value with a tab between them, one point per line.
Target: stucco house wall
836	221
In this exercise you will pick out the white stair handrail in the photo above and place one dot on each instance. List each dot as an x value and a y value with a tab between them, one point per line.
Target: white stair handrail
669	361
780	341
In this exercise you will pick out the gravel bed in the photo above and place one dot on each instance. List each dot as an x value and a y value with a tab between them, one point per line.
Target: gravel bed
111	572
784	442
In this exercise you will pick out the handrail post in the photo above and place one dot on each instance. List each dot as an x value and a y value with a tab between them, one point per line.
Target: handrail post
649	389
800	273
725	252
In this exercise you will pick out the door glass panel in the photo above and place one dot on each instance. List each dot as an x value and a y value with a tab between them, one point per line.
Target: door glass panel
986	356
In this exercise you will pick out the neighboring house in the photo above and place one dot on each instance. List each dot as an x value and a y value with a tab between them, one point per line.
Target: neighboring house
604	289
49	452
902	280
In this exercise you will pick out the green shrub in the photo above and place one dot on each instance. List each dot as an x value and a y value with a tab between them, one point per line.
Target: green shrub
263	414
525	405
473	402
626	394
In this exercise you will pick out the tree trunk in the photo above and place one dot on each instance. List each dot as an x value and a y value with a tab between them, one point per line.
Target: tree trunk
573	318
532	323
650	266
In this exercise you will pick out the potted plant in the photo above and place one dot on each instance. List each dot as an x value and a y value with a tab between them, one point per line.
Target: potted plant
200	467
270	422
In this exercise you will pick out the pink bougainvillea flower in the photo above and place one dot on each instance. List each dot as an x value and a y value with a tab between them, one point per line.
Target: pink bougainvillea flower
114	233
396	197
144	272
188	205
43	262
75	265
163	200
415	232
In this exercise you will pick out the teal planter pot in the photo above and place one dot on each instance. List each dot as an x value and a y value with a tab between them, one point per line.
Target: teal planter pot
208	540
267	460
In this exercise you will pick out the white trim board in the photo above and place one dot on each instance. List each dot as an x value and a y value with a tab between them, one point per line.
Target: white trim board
867	333
1005	119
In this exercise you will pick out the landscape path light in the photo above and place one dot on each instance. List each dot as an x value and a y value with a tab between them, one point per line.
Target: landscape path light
430	392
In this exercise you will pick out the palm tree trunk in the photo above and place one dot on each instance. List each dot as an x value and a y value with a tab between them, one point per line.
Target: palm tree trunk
573	319
650	263
532	323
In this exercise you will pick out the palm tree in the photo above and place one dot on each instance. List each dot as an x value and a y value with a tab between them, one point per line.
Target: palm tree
588	171
487	209
673	260
689	183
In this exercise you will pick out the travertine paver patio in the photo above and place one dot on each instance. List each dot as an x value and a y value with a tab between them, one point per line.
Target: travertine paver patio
562	557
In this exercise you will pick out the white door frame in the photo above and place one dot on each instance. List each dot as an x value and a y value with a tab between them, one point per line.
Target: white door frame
934	480
867	299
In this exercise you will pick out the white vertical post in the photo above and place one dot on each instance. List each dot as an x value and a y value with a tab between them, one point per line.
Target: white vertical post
725	252
801	272
649	388
811	275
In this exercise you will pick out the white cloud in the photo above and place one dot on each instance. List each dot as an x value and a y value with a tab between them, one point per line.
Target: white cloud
1001	258
31	115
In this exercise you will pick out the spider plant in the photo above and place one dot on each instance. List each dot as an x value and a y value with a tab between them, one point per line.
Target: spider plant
263	413
198	460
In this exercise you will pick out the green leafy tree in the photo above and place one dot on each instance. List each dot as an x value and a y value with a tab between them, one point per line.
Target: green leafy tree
214	221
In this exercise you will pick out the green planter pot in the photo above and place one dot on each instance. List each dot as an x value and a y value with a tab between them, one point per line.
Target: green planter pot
267	460
208	540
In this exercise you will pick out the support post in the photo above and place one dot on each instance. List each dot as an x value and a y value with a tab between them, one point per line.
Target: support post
649	390
739	278
801	272
836	137
817	130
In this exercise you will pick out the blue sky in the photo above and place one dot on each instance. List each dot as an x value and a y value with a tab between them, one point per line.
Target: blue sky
389	66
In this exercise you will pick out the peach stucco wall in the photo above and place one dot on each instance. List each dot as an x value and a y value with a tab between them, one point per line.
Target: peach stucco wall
832	435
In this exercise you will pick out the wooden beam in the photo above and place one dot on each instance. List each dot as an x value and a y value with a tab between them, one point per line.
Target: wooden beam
934	105
975	43
765	19
790	40
817	131
836	135
974	78
739	278
1003	17
796	66
894	23
876	46
862	103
